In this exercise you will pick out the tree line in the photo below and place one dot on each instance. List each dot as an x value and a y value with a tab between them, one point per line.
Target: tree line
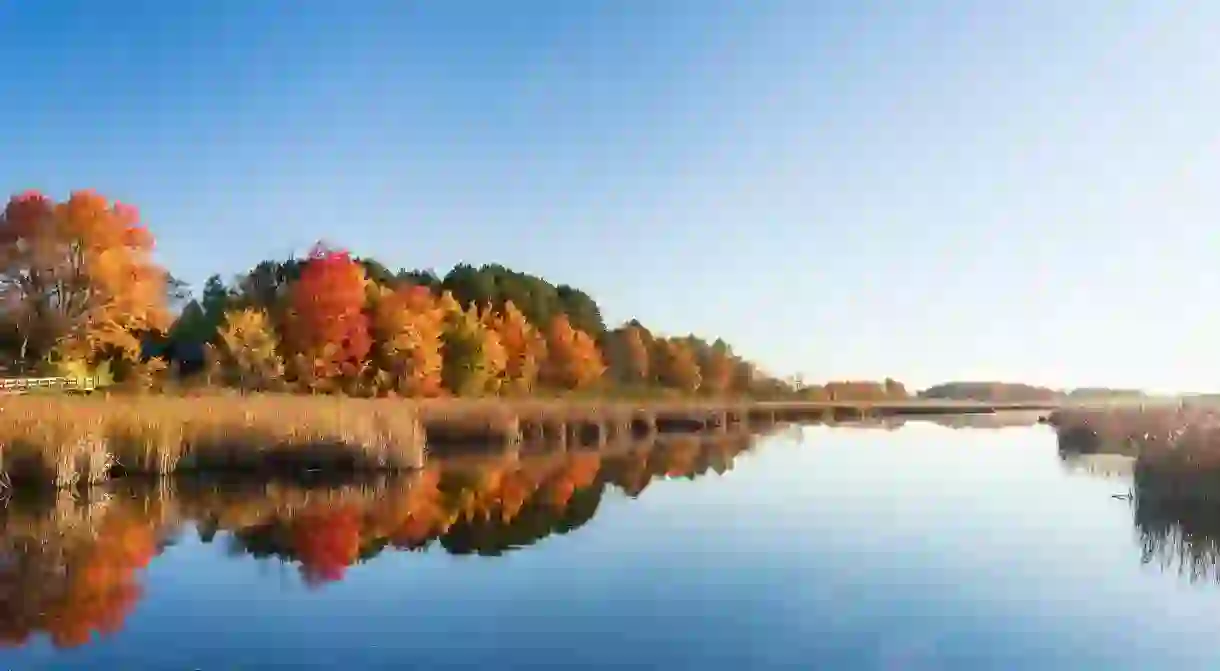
80	293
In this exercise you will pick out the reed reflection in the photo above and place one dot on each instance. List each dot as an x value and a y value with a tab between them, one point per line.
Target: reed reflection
70	566
1174	492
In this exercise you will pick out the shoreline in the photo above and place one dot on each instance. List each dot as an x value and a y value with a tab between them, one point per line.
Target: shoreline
70	441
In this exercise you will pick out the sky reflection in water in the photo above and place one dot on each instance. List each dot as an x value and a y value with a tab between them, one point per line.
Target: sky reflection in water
817	547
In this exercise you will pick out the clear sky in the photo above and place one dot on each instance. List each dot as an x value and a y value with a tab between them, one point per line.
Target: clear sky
927	190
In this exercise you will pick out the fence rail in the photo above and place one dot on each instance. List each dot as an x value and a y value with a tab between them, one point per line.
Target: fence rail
20	385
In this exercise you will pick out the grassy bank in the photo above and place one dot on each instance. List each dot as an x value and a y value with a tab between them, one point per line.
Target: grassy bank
64	441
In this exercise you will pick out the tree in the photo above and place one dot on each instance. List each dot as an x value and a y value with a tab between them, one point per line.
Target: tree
407	327
78	278
582	311
474	358
628	354
573	359
525	348
717	371
326	328
177	291
250	349
676	365
895	389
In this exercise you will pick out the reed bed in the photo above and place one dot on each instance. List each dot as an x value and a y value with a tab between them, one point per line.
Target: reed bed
63	441
1134	429
67	441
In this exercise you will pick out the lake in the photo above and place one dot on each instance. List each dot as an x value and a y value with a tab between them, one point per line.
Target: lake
908	547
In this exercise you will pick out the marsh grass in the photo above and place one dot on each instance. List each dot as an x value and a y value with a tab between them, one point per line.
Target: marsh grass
65	441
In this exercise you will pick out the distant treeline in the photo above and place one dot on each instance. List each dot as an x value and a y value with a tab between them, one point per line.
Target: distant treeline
82	294
1016	392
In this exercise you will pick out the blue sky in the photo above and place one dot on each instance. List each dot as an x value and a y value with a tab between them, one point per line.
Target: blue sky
928	190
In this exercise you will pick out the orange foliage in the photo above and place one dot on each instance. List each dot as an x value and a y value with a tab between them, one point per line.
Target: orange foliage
101	586
629	355
407	325
524	347
573	359
80	275
717	375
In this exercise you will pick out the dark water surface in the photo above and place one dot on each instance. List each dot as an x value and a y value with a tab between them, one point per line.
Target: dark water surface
923	547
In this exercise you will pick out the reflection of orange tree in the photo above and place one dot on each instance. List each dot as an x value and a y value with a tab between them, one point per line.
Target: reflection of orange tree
485	505
73	587
676	457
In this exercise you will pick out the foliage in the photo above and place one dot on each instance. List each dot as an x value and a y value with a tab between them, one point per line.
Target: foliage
474	358
524	347
676	366
628	347
537	298
407	326
249	349
993	392
573	359
326	328
77	279
326	541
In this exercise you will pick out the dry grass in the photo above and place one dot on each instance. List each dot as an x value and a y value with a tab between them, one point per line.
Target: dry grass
63	441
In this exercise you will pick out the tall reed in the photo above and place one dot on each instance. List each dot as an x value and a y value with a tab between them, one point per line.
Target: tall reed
63	441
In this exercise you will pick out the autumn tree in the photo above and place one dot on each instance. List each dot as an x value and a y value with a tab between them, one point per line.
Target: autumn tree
524	347
895	389
77	278
573	359
326	328
717	371
628	354
250	349
407	327
474	358
676	365
326	540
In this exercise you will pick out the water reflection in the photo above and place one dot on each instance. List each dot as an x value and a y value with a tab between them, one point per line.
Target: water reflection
69	565
1175	502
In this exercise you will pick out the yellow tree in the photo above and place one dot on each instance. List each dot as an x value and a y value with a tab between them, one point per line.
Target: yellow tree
407	327
250	349
524	347
77	278
573	359
474	358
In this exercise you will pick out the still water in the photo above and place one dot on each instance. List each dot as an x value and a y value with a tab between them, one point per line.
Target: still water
916	547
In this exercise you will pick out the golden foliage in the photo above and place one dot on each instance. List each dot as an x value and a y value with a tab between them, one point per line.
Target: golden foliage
573	359
524	347
250	349
474	358
407	324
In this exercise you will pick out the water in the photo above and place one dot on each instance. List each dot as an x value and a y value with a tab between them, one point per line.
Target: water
922	547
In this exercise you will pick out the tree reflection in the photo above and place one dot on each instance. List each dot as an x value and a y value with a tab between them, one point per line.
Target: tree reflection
70	566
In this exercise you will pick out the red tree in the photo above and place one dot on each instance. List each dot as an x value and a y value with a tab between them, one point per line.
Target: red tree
326	541
327	328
